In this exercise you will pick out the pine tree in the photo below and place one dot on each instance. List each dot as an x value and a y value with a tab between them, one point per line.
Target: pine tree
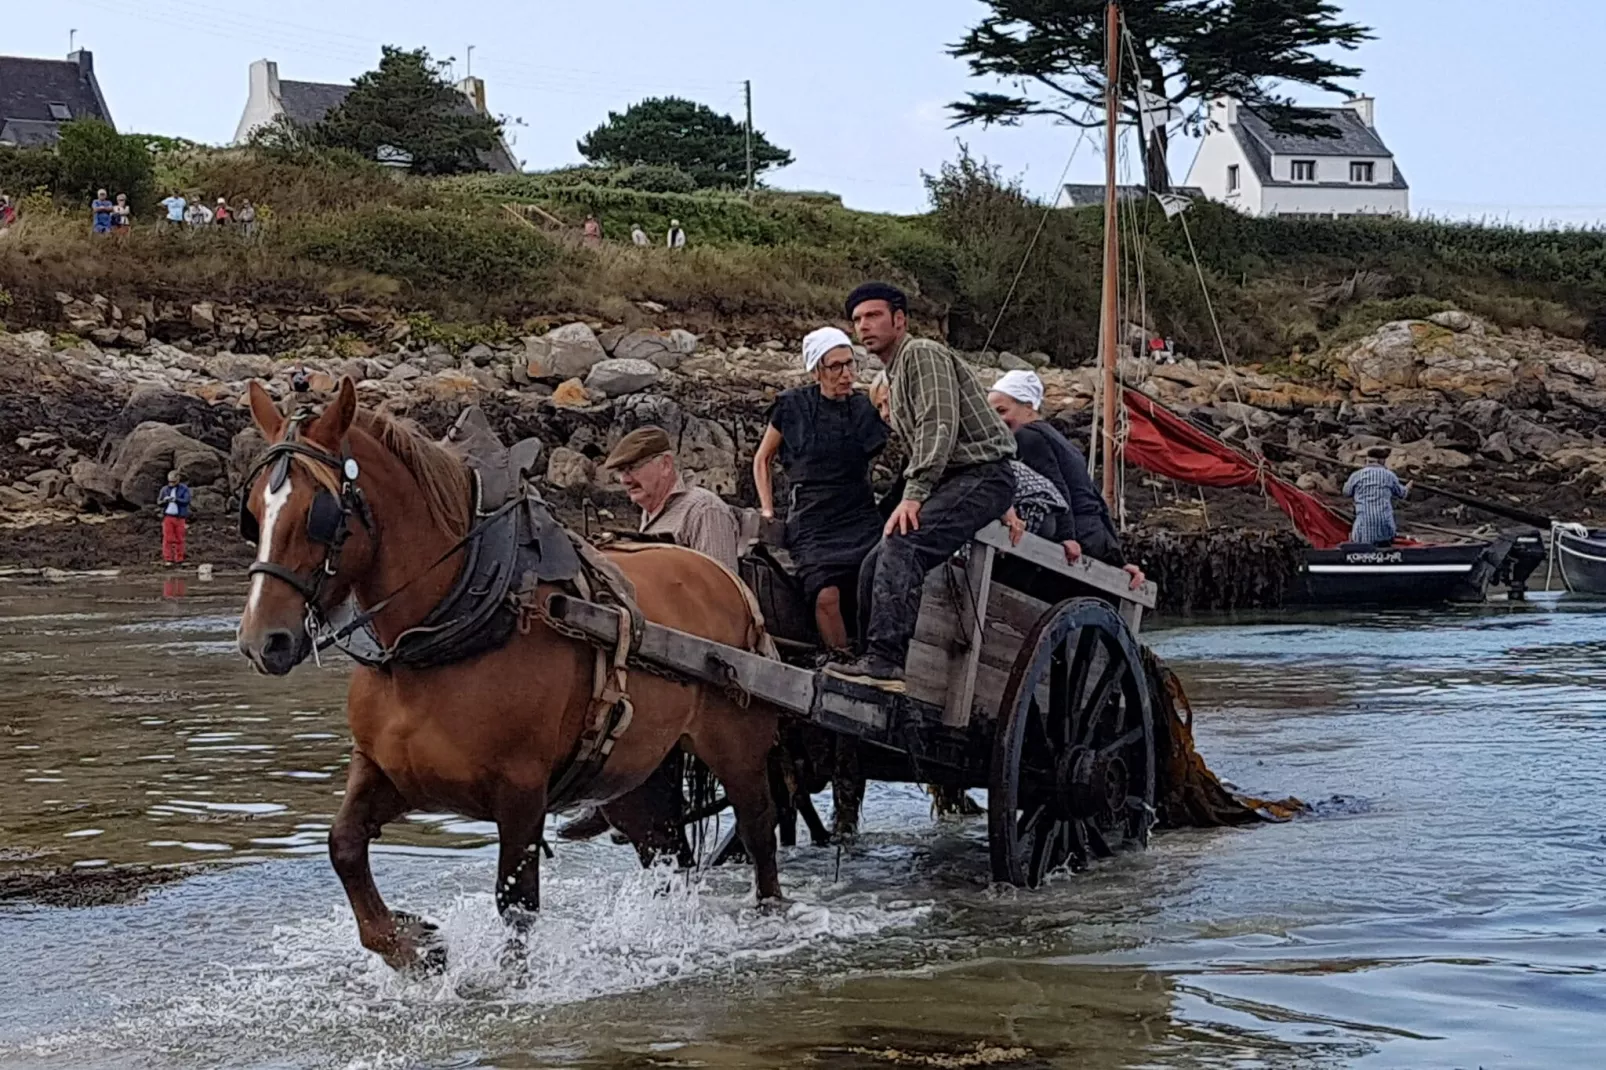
1188	51
671	132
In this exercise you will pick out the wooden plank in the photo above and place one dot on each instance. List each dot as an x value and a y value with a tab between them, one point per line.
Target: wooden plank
971	619
1107	579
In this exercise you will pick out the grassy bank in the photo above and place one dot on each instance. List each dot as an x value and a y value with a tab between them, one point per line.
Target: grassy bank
473	250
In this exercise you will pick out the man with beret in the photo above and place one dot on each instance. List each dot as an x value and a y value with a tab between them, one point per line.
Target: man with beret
693	516
957	481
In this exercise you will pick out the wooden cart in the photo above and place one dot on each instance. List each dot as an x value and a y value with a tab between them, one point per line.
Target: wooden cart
1041	698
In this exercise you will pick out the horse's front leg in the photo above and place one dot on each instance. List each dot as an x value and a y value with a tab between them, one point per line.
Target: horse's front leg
371	802
520	819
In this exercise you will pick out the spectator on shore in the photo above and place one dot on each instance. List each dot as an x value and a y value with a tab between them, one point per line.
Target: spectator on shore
593	231
100	213
246	217
174	501
175	204
221	214
638	236
122	214
677	237
8	211
197	214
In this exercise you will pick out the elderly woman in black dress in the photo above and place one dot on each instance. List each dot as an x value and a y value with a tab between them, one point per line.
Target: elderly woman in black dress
826	435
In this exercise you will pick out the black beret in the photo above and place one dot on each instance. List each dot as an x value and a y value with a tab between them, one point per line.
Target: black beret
895	298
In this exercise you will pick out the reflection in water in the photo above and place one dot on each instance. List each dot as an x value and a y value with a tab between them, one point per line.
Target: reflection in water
1445	913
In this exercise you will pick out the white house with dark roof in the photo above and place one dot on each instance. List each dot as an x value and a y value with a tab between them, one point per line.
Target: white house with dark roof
1243	162
305	103
38	95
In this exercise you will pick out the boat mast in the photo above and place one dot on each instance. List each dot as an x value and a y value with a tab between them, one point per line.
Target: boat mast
1112	22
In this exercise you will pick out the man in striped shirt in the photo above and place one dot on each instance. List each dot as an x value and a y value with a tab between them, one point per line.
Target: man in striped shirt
958	478
1374	489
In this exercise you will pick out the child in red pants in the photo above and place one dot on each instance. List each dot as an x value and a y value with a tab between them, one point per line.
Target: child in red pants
174	501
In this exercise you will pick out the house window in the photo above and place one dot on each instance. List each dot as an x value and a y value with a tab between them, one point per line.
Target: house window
1304	171
1232	178
60	112
1362	172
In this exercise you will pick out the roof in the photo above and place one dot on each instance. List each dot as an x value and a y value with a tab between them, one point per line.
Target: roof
1084	194
307	103
1260	142
28	88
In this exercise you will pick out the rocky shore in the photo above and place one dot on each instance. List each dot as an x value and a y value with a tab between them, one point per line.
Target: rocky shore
96	407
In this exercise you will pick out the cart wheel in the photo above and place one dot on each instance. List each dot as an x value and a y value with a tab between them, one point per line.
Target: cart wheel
1073	758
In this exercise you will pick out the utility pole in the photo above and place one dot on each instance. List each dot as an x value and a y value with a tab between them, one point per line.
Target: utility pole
72	41
470	61
747	135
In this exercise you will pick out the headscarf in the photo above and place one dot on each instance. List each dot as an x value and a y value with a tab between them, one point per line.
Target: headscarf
1025	387
816	344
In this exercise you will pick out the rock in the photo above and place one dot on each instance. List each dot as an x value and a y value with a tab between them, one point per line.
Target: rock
1251	417
1530	439
12	498
150	451
237	367
95	481
1484	414
1579	366
1410	354
640	410
106	336
1499	446
1318	482
357	317
1424	454
608	339
649	346
706	449
403	373
203	316
49	481
570	469
570	352
1038	359
133	337
155	402
1452	319
245	449
1009	362
651	306
81	316
209	503
682	342
570	394
616	376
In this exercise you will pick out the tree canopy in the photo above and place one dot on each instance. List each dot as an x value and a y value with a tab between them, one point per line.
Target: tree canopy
1052	52
93	155
407	104
671	132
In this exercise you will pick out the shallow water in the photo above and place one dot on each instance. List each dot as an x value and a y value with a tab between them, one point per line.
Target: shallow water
1441	909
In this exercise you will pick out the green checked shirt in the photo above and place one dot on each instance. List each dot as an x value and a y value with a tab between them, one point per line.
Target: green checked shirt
941	411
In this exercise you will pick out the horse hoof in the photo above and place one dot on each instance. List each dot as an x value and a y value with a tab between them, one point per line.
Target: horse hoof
419	948
774	905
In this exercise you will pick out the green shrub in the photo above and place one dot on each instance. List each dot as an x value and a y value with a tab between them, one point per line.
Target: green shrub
650	179
95	156
23	171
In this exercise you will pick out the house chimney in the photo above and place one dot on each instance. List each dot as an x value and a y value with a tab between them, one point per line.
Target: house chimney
85	60
264	80
1365	107
1224	112
474	89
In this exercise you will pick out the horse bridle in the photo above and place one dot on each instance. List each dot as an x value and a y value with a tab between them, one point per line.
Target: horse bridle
328	519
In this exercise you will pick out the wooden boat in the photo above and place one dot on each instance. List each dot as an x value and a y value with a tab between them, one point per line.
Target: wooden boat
1580	555
1363	574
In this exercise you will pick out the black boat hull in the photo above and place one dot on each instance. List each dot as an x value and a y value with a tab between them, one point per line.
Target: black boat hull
1360	575
1580	557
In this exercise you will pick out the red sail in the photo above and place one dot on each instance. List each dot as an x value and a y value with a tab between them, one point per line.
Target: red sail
1162	442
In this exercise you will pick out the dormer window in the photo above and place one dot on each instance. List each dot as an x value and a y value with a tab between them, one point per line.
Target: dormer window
1362	171
1303	171
60	112
1232	178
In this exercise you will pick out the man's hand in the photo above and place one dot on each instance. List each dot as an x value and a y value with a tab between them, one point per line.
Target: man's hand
1073	551
1016	526
767	514
904	519
1137	575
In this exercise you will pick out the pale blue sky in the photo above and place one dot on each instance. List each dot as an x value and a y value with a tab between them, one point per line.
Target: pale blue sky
1492	108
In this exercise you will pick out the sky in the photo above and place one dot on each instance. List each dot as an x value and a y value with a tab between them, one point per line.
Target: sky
1490	108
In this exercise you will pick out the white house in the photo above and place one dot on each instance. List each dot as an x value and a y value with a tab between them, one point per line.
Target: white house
306	103
1243	162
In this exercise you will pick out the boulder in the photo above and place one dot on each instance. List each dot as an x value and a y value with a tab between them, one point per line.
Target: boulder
1319	482
133	337
209	503
570	469
566	352
81	316
1038	359
48	481
1251	417
682	342
203	316
707	450
1530	439
245	450
1423	454
1009	362
480	355
155	402
648	346
150	451
1498	446
616	376
403	372
106	336
1452	319
610	337
641	410
237	367
95	482
1579	366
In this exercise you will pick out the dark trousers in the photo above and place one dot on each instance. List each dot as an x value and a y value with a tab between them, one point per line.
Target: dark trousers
892	575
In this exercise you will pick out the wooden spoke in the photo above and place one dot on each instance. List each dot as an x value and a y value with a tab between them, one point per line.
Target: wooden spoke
1125	741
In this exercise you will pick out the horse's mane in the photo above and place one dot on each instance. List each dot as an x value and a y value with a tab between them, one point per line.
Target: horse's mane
441	475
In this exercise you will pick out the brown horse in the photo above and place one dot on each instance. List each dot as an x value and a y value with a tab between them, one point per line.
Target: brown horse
482	737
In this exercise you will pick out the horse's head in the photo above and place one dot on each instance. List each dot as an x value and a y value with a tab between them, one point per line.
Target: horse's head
303	509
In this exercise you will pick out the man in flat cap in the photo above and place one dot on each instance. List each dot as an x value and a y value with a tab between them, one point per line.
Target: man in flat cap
957	481
694	516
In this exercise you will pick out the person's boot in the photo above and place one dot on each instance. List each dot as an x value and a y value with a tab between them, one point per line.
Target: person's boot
587	826
871	671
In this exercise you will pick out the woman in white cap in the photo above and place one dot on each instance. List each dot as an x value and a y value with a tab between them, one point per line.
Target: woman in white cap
826	435
1086	527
